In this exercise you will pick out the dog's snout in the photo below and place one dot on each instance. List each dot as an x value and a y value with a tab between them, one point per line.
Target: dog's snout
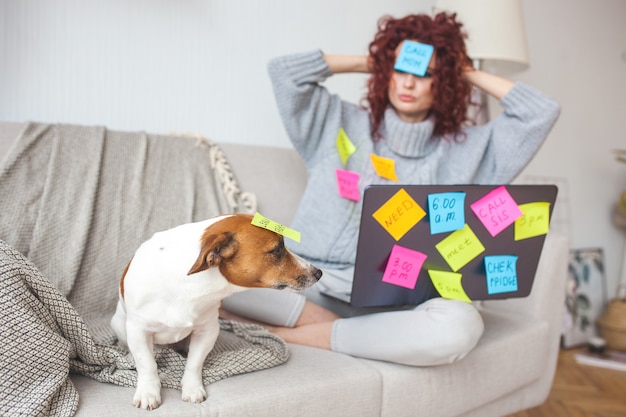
317	274
311	277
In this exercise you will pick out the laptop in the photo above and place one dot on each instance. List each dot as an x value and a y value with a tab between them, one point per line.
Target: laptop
467	242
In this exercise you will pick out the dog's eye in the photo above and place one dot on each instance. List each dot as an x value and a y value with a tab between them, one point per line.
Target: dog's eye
278	251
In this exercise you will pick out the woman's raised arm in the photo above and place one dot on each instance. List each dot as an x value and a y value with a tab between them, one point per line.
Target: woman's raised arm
489	83
347	63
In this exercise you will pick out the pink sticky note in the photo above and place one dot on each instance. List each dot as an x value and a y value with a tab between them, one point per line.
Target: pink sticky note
403	267
496	210
348	184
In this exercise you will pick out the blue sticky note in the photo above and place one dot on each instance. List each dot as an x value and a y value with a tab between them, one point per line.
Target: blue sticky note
414	58
501	272
446	212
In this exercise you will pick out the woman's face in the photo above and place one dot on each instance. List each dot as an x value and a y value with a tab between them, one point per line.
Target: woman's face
410	95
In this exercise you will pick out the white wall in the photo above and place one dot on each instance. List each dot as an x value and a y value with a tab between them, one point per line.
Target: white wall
172	65
578	55
163	65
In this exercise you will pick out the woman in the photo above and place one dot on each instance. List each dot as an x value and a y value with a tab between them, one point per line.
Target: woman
419	122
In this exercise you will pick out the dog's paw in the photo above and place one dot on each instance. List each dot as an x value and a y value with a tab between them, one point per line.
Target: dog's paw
147	398
193	393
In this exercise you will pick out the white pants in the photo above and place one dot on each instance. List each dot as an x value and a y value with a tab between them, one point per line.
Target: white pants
436	332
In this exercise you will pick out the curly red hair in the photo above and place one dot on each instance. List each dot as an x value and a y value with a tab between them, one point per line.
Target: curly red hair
451	93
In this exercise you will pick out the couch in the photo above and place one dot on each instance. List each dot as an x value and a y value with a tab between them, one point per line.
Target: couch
511	369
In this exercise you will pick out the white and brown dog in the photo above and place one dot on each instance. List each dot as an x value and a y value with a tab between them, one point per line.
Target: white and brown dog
172	290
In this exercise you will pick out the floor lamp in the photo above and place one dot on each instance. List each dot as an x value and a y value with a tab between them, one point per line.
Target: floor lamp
496	38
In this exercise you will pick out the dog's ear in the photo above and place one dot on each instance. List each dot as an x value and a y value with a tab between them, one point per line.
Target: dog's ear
214	249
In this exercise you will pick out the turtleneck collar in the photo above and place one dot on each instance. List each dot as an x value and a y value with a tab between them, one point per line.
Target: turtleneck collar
410	140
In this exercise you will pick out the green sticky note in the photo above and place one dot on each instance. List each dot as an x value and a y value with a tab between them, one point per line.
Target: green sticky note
262	221
460	247
345	147
448	285
535	220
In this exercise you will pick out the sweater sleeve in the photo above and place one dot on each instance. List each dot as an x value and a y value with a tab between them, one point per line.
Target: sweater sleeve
304	105
516	134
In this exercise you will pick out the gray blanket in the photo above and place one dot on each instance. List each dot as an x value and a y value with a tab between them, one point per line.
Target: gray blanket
76	202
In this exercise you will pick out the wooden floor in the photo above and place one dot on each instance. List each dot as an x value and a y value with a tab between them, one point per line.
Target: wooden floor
582	391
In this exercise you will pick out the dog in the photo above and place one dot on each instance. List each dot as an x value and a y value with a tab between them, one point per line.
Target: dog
172	288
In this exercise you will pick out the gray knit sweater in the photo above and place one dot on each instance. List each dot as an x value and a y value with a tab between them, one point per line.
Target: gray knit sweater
490	154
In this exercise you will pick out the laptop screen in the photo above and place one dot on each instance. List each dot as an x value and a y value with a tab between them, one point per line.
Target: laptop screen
467	242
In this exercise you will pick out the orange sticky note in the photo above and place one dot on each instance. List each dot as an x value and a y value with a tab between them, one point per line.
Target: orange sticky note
384	167
448	285
460	247
399	214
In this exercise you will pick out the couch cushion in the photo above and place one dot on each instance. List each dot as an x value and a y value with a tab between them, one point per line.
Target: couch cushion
99	399
511	345
313	383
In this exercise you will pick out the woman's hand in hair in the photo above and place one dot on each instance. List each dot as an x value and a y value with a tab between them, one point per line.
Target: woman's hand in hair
492	84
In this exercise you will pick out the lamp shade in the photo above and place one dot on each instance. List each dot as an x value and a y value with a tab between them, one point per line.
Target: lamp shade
495	28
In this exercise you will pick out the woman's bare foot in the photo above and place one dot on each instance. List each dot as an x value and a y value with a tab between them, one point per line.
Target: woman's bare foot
313	313
313	328
315	334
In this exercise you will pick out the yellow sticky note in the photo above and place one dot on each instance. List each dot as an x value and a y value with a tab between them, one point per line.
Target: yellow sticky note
460	247
384	167
448	285
345	147
535	220
399	214
262	221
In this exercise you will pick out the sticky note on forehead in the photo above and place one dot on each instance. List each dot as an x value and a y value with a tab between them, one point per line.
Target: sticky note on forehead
262	221
414	58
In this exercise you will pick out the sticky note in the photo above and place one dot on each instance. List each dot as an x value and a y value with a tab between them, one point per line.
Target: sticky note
448	285
345	147
399	214
460	247
534	221
501	273
446	212
496	210
384	167
403	267
414	58
264	222
348	184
